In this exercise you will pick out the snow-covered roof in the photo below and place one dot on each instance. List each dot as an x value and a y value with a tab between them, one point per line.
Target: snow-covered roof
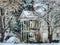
27	15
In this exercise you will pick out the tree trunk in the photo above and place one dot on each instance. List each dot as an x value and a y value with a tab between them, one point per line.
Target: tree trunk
1	30
49	34
1	24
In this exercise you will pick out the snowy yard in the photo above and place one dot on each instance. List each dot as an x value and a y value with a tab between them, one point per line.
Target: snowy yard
30	44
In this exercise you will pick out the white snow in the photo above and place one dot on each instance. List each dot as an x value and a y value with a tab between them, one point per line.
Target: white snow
27	13
40	8
30	44
13	40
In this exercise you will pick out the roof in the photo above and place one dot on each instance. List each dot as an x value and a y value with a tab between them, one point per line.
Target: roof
27	15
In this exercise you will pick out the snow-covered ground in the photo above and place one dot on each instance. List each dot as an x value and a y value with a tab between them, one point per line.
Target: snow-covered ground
30	44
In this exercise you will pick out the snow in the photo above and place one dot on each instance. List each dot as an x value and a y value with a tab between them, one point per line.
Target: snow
40	12
38	4
30	44
36	1
27	14
40	9
13	40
